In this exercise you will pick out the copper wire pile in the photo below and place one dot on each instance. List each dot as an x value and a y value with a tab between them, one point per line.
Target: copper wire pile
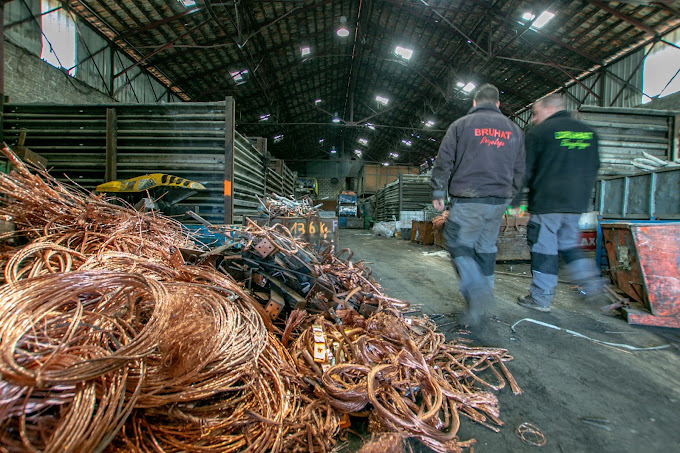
277	206
439	221
110	341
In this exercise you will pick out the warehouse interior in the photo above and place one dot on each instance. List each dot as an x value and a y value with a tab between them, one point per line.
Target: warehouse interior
217	230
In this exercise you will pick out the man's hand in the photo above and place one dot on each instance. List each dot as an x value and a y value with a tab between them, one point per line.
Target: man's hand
438	204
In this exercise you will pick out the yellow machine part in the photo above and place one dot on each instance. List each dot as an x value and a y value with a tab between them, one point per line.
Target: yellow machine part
144	182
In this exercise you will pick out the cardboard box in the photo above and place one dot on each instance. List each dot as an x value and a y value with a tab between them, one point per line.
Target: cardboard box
27	155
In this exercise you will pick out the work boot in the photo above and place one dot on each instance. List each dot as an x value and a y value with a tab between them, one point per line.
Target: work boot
529	302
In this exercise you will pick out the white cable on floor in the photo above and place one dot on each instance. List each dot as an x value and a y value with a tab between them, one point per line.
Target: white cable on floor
576	334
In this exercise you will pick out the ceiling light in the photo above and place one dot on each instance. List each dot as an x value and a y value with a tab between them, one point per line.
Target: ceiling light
404	52
305	51
342	31
469	87
336	120
370	126
429	123
264	117
541	21
358	152
188	3
382	100
407	142
386	164
363	141
460	84
278	138
317	101
333	151
321	140
394	155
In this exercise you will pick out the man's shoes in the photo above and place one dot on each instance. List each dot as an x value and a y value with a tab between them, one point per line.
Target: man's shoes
529	302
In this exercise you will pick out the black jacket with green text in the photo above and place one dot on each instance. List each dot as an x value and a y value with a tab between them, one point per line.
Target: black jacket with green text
562	164
481	155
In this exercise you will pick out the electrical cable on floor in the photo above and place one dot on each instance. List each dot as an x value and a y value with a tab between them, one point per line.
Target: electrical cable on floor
576	334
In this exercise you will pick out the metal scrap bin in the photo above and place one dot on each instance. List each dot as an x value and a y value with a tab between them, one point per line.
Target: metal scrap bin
316	231
644	260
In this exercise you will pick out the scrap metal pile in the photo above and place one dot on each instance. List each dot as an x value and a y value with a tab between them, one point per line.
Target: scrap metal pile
278	206
110	340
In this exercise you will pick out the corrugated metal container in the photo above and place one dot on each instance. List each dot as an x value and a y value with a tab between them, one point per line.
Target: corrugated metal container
319	232
648	195
408	193
625	133
182	139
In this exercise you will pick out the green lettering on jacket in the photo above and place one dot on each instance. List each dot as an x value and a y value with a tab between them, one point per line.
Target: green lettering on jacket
572	139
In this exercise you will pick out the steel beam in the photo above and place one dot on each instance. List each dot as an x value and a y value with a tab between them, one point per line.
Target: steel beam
615	12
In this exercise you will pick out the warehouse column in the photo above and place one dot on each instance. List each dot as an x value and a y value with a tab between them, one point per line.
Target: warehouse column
111	145
229	131
2	69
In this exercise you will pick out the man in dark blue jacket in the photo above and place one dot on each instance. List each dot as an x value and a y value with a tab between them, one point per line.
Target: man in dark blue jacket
481	164
562	164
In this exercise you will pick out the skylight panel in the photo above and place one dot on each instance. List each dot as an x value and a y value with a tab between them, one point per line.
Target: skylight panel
237	76
542	19
469	87
404	52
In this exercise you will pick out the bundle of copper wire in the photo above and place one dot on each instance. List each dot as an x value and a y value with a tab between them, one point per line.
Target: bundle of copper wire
415	382
109	341
439	221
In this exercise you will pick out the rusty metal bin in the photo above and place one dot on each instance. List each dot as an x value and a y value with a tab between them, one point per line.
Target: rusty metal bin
316	231
644	261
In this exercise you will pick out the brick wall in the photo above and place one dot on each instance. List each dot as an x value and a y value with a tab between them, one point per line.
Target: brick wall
28	79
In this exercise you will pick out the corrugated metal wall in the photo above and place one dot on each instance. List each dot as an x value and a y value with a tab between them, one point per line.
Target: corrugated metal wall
618	85
625	133
93	54
181	139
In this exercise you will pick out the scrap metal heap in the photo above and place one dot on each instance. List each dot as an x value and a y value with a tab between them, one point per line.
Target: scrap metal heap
116	335
278	206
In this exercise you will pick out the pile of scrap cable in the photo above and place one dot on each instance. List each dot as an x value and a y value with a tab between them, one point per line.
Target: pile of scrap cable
439	221
111	340
275	206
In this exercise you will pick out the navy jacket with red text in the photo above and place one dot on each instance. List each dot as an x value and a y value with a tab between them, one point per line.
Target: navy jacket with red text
481	155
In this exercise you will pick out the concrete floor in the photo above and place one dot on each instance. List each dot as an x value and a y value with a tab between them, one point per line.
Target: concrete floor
564	378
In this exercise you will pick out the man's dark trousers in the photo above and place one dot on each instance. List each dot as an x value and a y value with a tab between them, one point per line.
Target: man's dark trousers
551	235
471	232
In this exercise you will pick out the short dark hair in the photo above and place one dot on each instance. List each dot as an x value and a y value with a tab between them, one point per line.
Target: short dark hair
487	93
554	100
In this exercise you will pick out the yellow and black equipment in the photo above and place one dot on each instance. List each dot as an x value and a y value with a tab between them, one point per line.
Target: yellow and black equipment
164	191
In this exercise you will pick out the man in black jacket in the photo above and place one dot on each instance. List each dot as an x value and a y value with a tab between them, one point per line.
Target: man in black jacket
562	163
481	163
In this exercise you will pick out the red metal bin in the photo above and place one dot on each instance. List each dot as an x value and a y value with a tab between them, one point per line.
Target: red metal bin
644	261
